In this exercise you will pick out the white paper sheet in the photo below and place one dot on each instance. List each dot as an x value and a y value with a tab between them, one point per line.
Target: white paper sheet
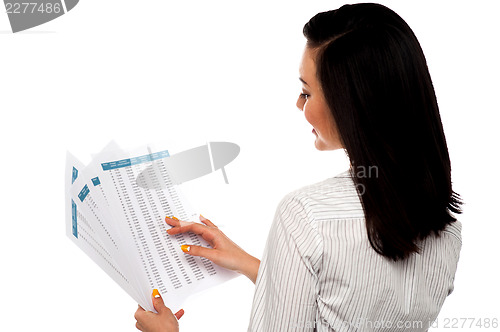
79	227
129	222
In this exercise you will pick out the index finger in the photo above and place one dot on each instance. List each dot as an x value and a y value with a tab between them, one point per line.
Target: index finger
176	222
205	232
172	222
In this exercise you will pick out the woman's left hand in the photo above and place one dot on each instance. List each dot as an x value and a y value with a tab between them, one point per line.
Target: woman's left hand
163	321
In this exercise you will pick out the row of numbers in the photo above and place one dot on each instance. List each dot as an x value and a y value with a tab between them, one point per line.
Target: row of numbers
32	7
461	323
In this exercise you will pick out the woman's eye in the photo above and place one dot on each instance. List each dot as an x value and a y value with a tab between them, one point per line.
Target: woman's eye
304	96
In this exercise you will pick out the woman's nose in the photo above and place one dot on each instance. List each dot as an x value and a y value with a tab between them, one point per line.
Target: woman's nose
299	104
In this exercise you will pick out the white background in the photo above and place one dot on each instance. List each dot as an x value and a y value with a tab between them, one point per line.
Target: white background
184	73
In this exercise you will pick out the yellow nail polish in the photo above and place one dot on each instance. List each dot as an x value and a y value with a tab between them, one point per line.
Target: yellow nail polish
185	248
174	218
156	294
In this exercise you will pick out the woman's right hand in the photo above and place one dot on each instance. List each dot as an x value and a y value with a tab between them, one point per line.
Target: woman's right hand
224	252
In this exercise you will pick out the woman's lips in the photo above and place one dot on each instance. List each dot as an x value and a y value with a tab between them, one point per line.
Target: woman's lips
314	132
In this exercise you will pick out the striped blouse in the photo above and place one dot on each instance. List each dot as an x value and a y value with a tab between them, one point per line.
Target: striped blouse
319	272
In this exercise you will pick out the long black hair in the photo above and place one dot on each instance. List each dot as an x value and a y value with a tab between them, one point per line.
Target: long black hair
375	80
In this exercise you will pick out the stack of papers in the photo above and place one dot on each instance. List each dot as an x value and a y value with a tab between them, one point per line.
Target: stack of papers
115	212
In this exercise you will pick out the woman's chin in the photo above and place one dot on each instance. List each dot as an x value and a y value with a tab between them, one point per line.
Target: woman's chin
320	145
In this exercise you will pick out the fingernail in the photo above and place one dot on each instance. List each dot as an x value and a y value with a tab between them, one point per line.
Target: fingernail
168	230
156	294
185	248
202	217
174	218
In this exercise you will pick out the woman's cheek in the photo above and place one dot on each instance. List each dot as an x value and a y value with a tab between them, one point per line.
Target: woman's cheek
309	115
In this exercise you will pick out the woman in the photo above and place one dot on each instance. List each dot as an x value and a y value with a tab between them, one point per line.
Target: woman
376	246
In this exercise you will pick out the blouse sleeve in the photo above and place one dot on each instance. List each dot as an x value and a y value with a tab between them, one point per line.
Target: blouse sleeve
287	282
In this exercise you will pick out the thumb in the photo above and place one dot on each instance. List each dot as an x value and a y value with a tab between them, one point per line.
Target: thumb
158	301
208	253
179	314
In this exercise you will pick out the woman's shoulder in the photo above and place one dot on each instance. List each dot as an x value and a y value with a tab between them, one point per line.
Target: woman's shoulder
332	198
452	234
